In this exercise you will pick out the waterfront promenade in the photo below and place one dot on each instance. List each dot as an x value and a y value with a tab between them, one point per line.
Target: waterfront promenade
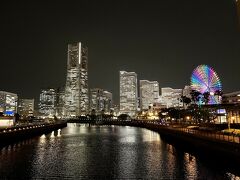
178	128
15	133
214	143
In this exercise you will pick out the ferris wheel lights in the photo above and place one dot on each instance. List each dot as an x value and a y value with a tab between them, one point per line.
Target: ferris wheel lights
205	80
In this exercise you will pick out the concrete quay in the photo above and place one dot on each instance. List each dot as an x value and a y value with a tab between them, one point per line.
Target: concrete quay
16	133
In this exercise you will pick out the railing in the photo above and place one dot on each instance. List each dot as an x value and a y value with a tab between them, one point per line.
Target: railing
176	127
27	127
219	136
212	135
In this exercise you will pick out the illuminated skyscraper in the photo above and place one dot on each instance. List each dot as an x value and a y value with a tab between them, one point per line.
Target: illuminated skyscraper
171	97
149	93
107	101
96	100
128	93
47	104
76	89
100	100
26	107
60	100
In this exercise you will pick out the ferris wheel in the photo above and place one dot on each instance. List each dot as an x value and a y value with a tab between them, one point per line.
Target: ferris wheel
205	80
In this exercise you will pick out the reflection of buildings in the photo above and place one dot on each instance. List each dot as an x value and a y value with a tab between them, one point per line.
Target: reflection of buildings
149	93
100	100
231	98
171	97
8	103
47	102
60	100
26	107
128	93
76	90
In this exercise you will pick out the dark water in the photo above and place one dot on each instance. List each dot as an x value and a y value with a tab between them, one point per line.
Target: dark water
82	152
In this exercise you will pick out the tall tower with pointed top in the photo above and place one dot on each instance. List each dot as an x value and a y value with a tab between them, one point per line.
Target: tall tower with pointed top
76	89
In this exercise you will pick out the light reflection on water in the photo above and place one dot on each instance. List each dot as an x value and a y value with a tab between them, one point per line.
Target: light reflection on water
83	151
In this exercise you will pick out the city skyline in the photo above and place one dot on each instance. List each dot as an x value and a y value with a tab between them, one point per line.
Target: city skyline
122	89
119	42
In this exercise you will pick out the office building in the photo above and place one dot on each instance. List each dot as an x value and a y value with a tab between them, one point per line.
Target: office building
8	103
60	102
107	101
149	93
96	100
47	103
26	107
171	97
76	89
187	91
128	93
100	100
231	98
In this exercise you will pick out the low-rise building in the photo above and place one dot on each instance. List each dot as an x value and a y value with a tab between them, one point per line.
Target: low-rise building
8	103
231	98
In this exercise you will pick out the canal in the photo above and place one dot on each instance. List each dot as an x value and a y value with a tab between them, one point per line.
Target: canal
80	151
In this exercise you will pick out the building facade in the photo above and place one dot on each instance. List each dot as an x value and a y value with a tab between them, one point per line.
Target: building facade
47	103
26	107
8	103
76	89
149	93
96	100
100	100
60	102
171	97
231	98
108	101
187	91
128	93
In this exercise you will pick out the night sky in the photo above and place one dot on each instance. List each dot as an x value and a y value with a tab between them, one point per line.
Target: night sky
160	40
